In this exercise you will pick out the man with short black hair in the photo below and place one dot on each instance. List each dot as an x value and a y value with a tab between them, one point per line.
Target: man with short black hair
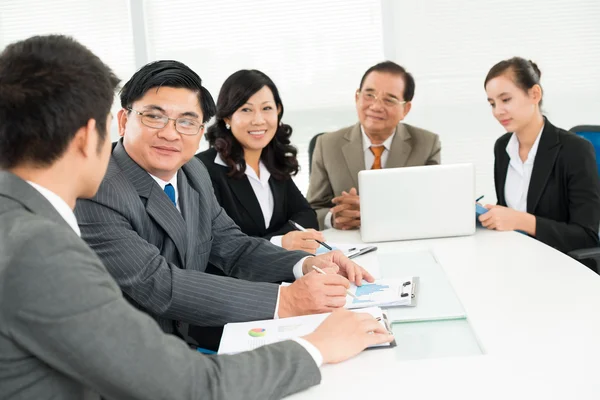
156	223
66	332
378	140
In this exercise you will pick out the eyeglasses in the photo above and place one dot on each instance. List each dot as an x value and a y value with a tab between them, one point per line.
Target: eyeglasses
156	120
371	97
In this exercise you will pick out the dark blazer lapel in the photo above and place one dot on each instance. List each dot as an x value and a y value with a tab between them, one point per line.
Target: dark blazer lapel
242	189
400	148
353	153
503	160
543	165
158	205
278	190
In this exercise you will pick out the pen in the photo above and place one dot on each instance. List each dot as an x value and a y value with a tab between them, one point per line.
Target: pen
319	270
479	198
300	228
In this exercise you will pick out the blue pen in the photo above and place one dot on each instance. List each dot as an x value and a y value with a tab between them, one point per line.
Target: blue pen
479	198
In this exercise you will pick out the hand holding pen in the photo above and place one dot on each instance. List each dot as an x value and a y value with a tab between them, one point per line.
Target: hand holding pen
310	234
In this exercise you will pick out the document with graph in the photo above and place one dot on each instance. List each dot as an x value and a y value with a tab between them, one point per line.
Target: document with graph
243	336
384	293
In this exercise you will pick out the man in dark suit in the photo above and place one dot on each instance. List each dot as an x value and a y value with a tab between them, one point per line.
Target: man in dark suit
66	332
378	140
156	224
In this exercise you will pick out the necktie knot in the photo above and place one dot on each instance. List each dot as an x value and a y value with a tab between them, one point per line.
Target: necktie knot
170	191
377	152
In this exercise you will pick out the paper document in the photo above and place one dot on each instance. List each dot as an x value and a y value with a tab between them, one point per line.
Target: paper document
383	293
244	336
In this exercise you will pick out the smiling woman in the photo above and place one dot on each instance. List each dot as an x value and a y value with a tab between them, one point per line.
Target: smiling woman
251	162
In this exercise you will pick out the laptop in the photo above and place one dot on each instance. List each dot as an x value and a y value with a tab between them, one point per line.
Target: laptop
417	202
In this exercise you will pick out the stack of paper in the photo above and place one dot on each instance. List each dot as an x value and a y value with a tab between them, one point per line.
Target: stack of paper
244	336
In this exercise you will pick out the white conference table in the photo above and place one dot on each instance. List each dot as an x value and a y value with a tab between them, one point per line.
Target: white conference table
536	344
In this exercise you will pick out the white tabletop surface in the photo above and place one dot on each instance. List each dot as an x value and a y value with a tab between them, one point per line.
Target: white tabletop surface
536	344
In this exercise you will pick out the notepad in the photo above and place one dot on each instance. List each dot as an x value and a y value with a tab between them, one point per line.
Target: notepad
244	336
384	293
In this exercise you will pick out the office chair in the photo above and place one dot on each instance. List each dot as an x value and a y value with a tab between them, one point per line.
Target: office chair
589	257
591	133
311	149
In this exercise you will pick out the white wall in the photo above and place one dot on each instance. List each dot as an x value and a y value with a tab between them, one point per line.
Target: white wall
449	46
316	52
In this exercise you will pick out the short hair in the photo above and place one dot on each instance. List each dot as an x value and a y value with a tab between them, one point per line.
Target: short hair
167	73
279	156
50	87
391	67
525	73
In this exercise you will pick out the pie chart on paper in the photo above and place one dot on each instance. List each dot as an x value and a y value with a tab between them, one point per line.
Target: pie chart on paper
257	332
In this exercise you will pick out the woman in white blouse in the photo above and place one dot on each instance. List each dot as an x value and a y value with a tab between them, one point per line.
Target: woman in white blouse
546	178
251	163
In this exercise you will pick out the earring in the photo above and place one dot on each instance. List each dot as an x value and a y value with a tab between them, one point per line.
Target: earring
227	126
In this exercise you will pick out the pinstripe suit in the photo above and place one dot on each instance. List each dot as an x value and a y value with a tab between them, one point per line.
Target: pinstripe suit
158	255
66	332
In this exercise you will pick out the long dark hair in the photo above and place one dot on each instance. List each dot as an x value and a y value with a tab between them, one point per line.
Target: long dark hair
279	156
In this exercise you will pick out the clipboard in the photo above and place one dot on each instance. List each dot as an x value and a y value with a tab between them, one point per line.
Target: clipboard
412	291
388	326
385	293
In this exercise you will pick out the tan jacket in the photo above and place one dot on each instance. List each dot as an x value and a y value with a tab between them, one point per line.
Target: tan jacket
338	158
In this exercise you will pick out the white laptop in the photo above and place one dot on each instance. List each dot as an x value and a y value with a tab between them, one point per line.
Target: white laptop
417	202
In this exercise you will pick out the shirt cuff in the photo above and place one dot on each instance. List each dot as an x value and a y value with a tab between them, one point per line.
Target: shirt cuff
327	222
298	268
276	240
312	350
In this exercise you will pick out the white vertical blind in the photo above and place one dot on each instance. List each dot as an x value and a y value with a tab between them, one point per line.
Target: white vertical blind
103	26
315	51
450	46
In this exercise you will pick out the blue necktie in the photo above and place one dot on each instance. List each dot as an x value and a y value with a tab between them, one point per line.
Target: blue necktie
170	191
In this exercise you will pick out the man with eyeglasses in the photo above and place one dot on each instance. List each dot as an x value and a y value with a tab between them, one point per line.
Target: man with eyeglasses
66	332
156	224
378	140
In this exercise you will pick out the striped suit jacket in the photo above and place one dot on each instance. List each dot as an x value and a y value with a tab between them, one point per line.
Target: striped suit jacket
158	255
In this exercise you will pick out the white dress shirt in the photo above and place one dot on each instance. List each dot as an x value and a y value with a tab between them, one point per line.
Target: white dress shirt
369	159
173	182
60	205
518	175
262	191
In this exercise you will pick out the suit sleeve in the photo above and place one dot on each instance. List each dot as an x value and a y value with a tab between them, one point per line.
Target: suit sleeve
435	158
320	192
298	210
72	316
497	171
180	294
583	201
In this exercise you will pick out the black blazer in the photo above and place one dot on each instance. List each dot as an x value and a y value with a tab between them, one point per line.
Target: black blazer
564	191
239	201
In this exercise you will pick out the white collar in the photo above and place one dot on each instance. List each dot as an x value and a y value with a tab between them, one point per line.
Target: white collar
162	183
60	205
367	142
264	172
512	148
